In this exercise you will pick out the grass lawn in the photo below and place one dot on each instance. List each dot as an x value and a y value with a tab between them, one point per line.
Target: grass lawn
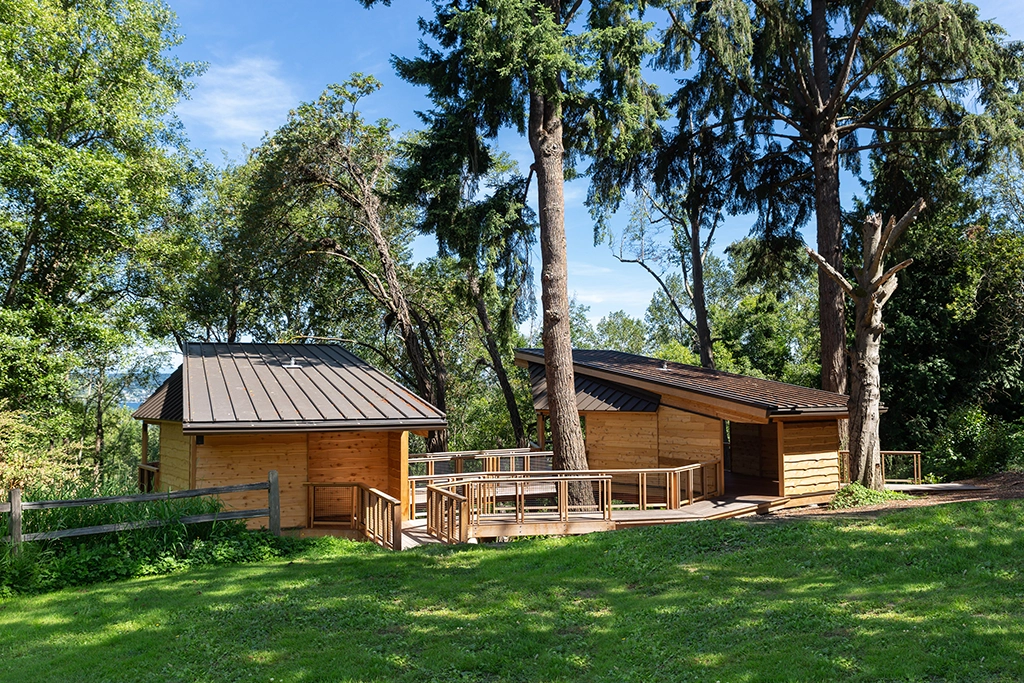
923	594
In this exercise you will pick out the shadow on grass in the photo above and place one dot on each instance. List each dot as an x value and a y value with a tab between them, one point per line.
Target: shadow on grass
917	595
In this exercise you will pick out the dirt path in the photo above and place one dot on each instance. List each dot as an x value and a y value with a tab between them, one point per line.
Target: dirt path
1003	486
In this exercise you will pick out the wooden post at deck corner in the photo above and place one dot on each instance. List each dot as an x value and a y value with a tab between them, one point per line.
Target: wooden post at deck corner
540	431
274	502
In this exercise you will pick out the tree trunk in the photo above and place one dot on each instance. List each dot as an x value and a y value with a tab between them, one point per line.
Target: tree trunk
497	362
436	441
831	317
545	130
825	161
700	306
865	397
874	286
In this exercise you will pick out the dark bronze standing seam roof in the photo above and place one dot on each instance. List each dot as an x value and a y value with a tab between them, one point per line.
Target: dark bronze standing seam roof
595	394
292	387
165	404
775	397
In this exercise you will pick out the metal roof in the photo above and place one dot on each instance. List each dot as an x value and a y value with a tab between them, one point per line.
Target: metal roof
292	387
165	405
595	395
775	397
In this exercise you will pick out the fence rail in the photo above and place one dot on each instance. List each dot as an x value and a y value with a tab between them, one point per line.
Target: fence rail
14	507
377	515
888	461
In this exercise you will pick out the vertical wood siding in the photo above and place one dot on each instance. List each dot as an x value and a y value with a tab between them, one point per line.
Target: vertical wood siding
175	450
229	459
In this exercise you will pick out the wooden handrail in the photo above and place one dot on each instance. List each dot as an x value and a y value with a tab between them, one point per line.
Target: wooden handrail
378	515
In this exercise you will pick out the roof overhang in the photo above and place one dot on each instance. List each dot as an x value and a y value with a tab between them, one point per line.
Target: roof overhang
702	403
309	427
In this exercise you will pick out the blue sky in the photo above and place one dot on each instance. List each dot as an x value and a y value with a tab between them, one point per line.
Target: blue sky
265	57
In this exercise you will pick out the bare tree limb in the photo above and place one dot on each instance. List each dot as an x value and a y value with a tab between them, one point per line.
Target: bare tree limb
834	274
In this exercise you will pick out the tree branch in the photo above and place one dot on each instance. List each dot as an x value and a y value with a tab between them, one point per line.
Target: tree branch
833	274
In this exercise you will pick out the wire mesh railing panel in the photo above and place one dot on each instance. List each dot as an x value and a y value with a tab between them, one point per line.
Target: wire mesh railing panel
332	504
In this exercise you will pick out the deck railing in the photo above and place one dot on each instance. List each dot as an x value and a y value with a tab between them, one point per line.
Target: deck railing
359	507
889	465
643	489
448	515
456	505
459	462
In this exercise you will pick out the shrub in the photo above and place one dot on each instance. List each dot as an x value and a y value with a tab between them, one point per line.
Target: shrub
975	443
854	496
50	565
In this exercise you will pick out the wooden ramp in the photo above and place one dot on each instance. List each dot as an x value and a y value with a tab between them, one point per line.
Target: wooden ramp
414	532
718	508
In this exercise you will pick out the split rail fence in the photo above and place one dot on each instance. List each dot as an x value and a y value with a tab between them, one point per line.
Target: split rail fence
16	506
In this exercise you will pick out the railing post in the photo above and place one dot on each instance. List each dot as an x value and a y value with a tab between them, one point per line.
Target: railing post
396	534
15	498
689	487
274	502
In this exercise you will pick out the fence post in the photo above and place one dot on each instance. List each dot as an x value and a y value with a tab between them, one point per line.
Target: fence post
274	502
15	498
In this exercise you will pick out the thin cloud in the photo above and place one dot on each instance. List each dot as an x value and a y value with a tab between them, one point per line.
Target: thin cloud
239	102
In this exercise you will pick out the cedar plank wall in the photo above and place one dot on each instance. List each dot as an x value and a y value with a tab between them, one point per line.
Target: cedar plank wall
684	436
175	449
811	457
746	448
398	469
770	451
622	440
360	457
228	459
754	450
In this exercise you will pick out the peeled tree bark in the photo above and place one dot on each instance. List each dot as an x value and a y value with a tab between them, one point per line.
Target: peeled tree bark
872	289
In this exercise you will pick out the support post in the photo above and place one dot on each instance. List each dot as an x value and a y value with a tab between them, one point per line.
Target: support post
274	502
15	498
540	431
396	534
144	458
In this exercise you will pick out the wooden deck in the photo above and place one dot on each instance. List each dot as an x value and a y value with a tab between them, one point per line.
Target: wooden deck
414	532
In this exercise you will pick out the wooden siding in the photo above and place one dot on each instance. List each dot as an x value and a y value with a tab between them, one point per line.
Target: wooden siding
754	450
175	451
229	459
687	436
622	440
349	457
398	469
810	453
745	445
770	451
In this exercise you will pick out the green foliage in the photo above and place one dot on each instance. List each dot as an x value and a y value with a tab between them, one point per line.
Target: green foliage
855	495
50	565
923	594
974	443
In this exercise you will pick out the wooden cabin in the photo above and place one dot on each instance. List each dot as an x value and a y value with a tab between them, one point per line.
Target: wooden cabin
315	413
767	437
